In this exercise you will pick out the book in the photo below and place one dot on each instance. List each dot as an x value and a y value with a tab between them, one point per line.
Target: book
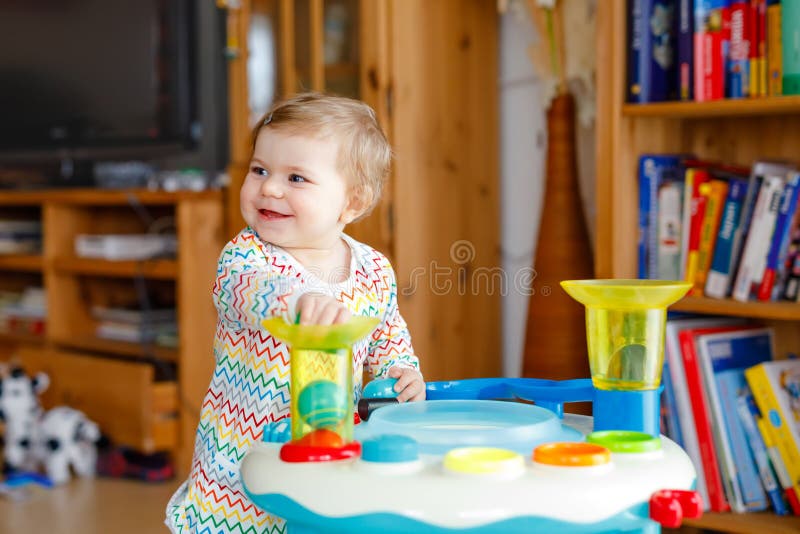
774	49
719	355
780	237
747	411
776	389
656	172
685	49
700	405
761	57
738	65
715	192
790	49
710	48
790	280
668	248
670	423
776	461
696	211
759	235
652	67
719	275
683	403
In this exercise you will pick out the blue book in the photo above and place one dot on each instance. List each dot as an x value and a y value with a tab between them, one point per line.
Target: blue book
652	61
686	49
654	170
720	274
732	385
670	426
747	411
716	353
780	239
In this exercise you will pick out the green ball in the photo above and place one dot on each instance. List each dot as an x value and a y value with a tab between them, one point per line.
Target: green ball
322	404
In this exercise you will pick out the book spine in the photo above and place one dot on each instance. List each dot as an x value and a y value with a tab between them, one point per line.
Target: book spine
790	283
709	49
697	209
744	409
776	461
670	197
648	188
755	35
717	191
719	275
685	49
774	49
738	67
780	237
636	25
790	40
759	237
780	429
745	472
762	48
702	421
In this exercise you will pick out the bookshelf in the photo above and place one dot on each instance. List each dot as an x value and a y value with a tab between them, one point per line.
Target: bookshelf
143	395
734	131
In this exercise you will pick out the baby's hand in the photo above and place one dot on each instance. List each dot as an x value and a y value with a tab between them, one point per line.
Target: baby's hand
409	386
316	308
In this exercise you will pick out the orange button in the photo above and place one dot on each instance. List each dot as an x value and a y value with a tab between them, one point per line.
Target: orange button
571	454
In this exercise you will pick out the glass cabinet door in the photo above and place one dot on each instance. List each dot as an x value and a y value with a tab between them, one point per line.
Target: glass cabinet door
341	47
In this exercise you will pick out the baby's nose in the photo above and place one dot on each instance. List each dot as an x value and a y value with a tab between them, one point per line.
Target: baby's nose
272	188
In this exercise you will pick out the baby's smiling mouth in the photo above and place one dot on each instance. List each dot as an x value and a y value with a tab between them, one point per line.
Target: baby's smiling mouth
272	215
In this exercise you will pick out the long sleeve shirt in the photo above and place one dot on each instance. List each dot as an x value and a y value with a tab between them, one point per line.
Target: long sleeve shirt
250	386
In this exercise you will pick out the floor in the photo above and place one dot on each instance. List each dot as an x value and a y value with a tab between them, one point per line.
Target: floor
99	506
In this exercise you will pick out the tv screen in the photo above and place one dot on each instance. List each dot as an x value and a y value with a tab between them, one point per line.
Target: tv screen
96	74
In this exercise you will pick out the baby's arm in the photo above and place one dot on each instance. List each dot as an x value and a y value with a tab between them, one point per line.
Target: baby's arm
390	351
248	288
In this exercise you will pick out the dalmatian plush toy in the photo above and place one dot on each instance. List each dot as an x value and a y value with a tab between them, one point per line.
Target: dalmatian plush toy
60	440
20	411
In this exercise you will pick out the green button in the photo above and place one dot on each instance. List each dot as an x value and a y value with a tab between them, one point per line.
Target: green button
625	441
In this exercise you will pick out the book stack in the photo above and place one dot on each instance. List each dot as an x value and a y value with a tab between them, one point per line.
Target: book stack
705	50
23	313
736	412
157	326
20	236
732	232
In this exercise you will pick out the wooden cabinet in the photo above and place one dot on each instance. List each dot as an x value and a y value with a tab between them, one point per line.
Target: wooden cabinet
143	395
733	131
430	71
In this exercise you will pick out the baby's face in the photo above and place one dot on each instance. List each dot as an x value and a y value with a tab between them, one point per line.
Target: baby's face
294	196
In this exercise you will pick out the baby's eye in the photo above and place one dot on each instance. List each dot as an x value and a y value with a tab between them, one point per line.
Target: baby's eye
296	178
260	171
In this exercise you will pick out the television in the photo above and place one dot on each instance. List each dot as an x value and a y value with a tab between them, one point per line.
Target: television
97	78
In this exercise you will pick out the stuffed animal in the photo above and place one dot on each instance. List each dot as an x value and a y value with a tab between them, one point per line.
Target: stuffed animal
66	439
56	441
20	410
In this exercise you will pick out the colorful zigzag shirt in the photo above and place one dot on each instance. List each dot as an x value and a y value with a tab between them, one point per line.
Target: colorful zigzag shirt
250	385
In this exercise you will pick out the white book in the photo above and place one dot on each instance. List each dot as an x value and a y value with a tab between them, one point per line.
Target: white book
759	237
683	402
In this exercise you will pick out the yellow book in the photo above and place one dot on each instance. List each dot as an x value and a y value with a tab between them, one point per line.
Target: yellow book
715	192
776	390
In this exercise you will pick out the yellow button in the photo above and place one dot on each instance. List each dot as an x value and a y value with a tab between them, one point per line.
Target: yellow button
571	454
483	460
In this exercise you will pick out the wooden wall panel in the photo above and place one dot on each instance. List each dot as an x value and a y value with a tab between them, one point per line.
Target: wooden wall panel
444	127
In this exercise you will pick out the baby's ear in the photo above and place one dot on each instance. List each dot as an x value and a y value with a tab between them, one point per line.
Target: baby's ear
357	204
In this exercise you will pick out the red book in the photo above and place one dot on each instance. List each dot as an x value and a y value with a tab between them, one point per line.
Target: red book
702	414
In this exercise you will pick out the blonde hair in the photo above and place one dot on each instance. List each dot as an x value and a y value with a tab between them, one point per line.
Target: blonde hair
365	155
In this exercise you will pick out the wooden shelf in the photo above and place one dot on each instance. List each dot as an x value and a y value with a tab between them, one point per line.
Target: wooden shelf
121	348
21	262
777	105
156	269
28	339
761	522
789	311
341	70
102	197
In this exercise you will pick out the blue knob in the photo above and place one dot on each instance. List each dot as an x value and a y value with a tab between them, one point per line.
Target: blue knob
382	388
389	448
277	431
